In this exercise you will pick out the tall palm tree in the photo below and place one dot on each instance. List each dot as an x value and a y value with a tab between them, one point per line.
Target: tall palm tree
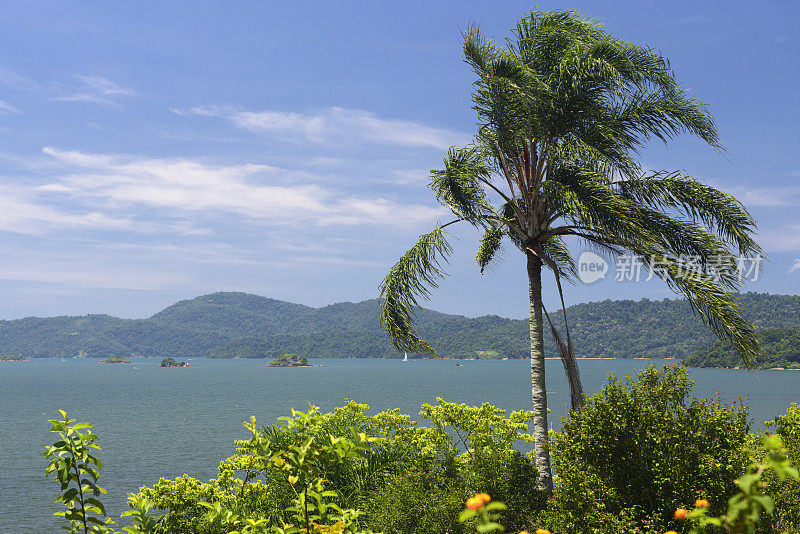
562	109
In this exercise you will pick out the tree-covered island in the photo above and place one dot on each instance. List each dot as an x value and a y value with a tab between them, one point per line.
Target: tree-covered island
291	360
170	362
12	357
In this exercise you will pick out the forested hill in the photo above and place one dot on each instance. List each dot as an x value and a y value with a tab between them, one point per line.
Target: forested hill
780	349
243	325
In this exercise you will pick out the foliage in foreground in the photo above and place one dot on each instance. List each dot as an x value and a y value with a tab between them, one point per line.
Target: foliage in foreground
640	450
410	478
76	470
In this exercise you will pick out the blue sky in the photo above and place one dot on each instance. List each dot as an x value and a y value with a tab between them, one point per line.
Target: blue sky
154	151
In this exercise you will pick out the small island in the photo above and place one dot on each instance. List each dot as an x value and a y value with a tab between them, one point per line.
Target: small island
11	357
169	362
291	360
115	359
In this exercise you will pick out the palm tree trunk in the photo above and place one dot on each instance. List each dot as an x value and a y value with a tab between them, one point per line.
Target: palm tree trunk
538	387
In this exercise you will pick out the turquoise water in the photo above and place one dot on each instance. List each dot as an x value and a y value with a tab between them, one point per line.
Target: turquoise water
156	422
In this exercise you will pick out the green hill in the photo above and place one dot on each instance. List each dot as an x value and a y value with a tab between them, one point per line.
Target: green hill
780	348
226	325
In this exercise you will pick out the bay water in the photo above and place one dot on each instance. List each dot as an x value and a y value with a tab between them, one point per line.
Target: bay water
155	422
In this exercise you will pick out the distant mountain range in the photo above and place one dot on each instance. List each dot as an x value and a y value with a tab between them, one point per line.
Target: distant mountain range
228	325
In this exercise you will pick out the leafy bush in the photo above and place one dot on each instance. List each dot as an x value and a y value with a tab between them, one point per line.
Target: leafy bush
641	449
346	472
786	516
407	478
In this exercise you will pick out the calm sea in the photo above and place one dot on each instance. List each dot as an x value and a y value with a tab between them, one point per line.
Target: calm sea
156	422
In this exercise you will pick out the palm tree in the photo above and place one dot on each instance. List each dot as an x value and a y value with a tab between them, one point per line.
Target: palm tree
563	108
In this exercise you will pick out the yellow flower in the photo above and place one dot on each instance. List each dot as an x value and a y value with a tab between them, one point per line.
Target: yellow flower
701	503
670	532
542	531
680	513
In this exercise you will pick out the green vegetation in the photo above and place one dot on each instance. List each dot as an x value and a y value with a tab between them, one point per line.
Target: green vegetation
640	449
11	357
229	325
780	349
289	360
170	362
77	469
115	359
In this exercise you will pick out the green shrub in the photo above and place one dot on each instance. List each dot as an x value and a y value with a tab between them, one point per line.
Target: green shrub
407	478
786	516
642	448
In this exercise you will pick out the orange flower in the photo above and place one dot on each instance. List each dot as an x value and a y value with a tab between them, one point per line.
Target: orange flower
542	531
701	503
680	513
477	501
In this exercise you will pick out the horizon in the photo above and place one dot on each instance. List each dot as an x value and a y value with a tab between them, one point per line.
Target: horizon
149	156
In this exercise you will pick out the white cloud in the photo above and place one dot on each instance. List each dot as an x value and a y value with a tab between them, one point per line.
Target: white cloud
785	238
7	108
74	272
97	90
24	215
412	177
771	196
262	193
334	126
795	266
16	81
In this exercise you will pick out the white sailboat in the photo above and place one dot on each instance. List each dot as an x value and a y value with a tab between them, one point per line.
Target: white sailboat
405	356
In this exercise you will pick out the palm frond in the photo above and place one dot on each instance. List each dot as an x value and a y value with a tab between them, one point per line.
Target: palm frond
410	279
558	251
717	307
718	210
490	243
457	186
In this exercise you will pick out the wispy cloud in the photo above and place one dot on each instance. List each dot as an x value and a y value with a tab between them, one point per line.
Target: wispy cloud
20	213
7	108
97	90
768	196
271	195
783	239
334	126
795	266
16	81
412	176
77	272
